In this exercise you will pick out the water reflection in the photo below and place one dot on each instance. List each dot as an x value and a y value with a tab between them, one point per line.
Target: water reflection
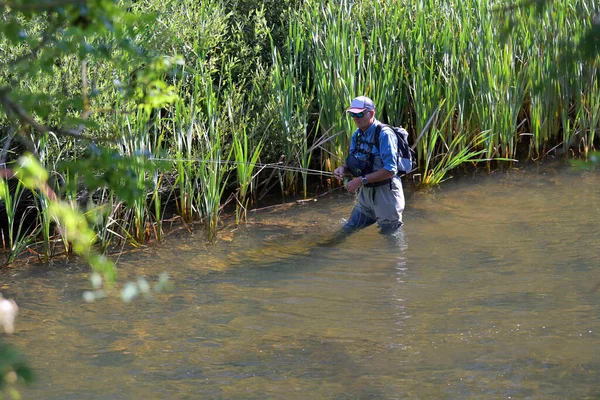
487	292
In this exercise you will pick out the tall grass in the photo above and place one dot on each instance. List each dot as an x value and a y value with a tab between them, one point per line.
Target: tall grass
248	94
336	52
42	204
246	159
105	216
293	90
138	142
16	237
451	54
455	153
182	128
214	156
589	112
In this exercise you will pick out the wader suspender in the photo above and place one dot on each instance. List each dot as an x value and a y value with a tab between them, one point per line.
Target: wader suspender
359	142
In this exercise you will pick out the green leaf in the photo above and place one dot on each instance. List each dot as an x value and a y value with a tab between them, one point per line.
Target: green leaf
3	189
14	31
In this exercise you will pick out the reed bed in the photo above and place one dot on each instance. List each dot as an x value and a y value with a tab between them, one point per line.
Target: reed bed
476	82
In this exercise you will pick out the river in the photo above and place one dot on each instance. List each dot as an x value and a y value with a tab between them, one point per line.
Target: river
490	291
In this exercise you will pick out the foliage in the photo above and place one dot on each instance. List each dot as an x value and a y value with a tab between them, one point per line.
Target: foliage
246	160
40	39
80	42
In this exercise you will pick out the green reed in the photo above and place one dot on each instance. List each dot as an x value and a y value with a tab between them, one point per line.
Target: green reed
200	153
385	66
336	52
17	238
44	226
158	136
427	91
246	150
544	92
544	119
293	91
213	168
198	30
454	154
285	88
44	220
183	124
105	216
140	140
246	159
69	192
589	113
158	206
498	91
196	117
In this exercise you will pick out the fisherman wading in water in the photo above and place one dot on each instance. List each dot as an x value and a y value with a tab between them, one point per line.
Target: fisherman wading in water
373	169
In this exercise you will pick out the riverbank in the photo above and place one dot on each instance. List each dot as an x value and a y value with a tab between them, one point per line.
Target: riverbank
173	226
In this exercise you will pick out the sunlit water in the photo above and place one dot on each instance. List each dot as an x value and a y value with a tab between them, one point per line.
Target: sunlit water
489	292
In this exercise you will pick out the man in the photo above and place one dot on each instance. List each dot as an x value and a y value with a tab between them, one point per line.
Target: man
373	169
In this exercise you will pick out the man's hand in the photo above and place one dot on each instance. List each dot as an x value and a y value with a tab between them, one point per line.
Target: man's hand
354	184
340	172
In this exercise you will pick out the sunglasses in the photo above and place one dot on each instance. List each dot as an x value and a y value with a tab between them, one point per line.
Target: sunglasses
357	115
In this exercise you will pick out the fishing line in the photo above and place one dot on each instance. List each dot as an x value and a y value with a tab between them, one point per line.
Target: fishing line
278	165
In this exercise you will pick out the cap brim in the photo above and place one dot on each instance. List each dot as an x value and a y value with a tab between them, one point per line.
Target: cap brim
356	110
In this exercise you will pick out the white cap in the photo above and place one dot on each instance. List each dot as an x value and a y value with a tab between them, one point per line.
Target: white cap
361	103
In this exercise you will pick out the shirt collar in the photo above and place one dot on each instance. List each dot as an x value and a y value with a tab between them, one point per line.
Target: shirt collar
371	129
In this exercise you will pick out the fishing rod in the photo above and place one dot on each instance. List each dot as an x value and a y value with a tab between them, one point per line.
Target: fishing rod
278	165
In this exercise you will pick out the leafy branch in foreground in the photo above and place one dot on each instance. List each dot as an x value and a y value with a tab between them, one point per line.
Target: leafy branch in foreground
67	68
39	94
12	369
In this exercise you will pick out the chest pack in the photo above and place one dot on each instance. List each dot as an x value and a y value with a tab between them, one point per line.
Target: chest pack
406	155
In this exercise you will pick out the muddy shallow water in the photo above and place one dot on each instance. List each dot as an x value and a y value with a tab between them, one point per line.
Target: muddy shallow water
490	291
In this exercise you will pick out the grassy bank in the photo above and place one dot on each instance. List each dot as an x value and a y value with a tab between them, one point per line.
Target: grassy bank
259	93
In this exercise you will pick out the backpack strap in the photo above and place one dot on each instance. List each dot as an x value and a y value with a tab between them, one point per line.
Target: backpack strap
404	150
378	130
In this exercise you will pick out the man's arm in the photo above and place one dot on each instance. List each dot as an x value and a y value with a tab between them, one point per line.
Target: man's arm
377	176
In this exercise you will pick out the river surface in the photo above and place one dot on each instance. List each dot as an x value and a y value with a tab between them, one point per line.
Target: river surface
490	291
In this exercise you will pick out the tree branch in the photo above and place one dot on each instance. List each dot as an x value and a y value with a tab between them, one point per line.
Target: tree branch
12	108
11	135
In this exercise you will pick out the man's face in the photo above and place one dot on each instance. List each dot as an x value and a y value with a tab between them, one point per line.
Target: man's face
363	119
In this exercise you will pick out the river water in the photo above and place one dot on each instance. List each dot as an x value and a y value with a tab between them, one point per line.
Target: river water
490	291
